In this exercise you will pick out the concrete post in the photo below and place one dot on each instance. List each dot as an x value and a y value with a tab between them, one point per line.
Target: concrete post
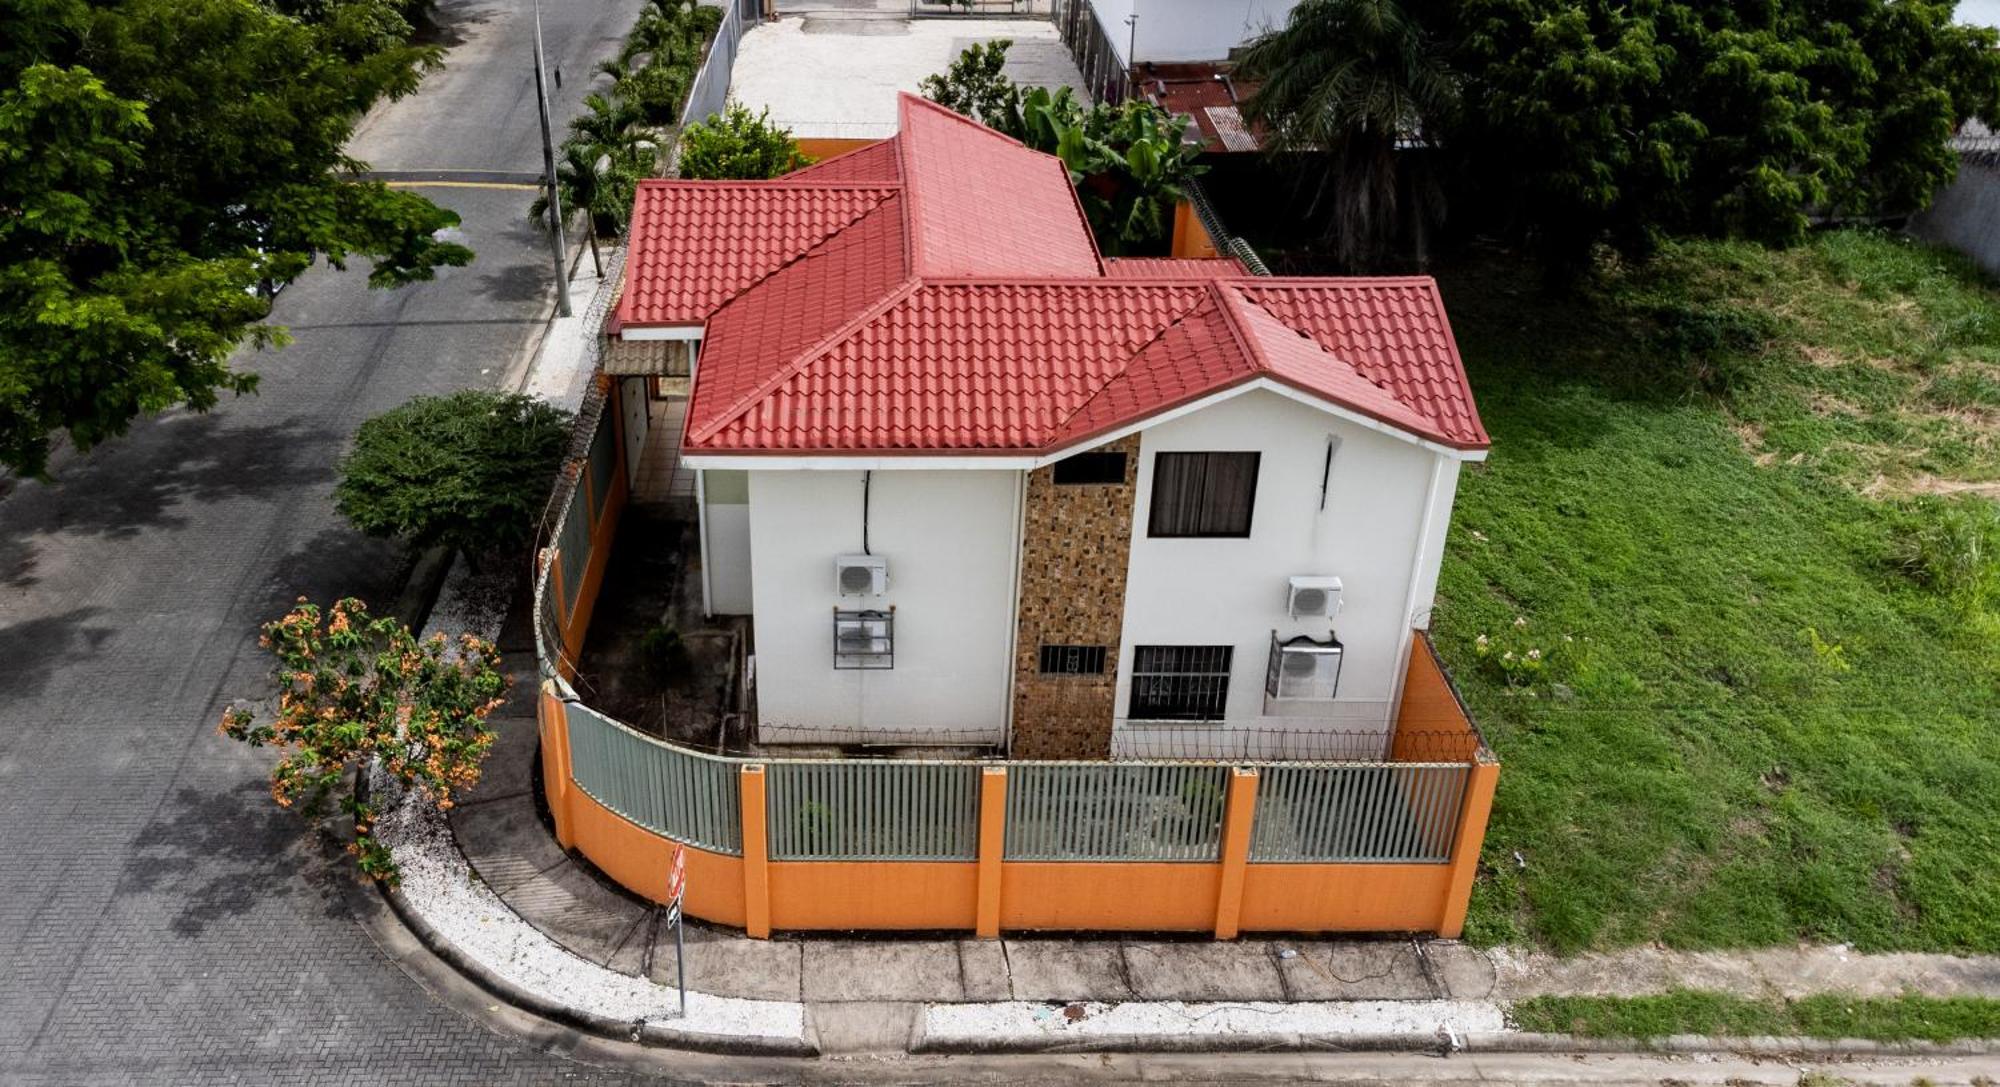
992	848
1239	812
1472	815
756	854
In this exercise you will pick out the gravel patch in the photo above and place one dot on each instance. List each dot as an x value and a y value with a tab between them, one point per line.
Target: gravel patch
988	1022
439	886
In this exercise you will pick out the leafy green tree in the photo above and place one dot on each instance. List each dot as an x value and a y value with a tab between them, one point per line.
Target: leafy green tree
468	471
1344	89
739	144
164	166
975	86
354	689
1627	122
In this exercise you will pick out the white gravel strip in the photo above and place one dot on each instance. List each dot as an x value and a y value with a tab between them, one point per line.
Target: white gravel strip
988	1022
472	602
441	888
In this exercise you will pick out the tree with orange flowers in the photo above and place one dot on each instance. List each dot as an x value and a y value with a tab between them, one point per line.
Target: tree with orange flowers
354	688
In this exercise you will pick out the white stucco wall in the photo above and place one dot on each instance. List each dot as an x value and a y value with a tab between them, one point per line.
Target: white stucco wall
950	540
1233	591
1187	30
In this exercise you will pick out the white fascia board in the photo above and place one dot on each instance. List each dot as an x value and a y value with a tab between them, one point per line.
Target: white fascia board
661	332
1268	385
834	463
810	462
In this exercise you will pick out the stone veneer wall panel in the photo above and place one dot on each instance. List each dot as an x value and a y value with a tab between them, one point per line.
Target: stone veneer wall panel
1075	547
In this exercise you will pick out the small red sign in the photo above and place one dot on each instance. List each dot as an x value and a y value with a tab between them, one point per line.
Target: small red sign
677	876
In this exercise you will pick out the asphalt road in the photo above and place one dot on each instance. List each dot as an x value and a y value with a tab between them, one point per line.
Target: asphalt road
161	921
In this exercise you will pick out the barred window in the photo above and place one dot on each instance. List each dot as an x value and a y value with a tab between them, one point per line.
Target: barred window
1180	682
1073	660
1203	494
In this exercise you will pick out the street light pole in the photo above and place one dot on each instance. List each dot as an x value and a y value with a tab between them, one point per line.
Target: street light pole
556	240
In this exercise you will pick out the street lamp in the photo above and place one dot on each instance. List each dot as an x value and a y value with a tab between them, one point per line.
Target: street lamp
559	246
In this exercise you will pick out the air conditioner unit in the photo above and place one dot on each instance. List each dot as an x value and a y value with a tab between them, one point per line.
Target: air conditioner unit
1313	597
861	575
1303	670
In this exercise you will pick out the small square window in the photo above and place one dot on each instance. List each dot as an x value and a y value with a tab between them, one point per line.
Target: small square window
864	639
1086	468
1073	660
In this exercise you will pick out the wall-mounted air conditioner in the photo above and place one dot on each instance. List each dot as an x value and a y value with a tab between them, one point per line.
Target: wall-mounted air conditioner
861	575
1312	597
1303	670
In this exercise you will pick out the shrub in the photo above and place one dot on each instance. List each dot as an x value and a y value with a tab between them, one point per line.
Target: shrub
1953	548
736	144
469	471
664	654
355	689
657	90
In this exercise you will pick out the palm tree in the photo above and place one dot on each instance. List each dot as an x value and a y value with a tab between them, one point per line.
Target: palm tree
1347	89
609	123
585	182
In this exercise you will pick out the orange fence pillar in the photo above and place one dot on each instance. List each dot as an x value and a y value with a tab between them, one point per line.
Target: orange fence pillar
756	855
992	848
556	781
1465	846
1239	811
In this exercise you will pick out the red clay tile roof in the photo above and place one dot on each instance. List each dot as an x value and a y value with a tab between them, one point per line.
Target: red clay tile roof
940	292
1173	267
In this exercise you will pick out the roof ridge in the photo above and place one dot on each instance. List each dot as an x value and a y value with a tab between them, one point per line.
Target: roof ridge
904	99
803	359
1322	348
769	183
887	195
1201	298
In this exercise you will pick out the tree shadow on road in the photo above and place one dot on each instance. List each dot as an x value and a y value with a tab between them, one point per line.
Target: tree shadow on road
33	648
222	854
135	484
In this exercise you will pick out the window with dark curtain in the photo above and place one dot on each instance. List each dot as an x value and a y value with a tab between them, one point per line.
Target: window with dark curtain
1203	494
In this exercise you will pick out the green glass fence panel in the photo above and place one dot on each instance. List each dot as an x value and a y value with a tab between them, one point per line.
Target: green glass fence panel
671	791
1115	811
898	811
1384	812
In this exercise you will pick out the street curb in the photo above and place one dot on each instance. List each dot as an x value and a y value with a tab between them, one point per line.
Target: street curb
644	1033
1472	1042
652	1034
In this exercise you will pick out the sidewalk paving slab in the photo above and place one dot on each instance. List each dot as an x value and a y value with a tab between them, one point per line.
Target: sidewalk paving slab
1189	970
1349	970
894	970
1059	969
847	1029
505	843
721	962
982	970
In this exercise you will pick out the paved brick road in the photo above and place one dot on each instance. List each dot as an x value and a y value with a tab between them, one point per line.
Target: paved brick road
160	920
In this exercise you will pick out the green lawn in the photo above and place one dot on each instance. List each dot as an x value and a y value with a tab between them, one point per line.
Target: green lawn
1771	720
1883	1019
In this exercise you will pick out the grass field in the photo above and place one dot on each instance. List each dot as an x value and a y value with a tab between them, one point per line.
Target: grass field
1741	503
1883	1019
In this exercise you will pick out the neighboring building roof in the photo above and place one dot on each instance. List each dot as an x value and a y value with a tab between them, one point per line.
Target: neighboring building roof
940	292
1209	96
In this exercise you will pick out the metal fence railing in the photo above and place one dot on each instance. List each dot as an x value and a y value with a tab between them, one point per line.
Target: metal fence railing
710	91
1114	811
672	791
1105	76
1403	812
897	811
